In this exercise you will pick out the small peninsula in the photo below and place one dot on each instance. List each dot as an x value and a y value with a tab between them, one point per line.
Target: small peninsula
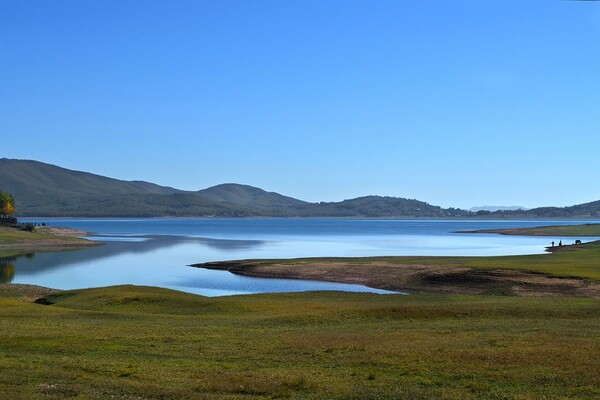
565	273
16	241
585	230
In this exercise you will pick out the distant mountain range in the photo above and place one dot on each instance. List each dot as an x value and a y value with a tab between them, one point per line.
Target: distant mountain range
47	190
496	208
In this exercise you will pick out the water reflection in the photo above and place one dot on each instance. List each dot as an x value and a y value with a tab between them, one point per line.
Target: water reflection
158	252
159	261
120	245
7	269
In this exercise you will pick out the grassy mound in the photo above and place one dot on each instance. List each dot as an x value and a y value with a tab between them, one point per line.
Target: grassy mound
130	342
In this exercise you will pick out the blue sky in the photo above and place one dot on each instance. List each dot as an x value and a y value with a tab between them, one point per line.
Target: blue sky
457	103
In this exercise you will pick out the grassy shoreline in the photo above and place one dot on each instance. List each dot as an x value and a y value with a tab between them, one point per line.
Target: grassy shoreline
584	230
14	241
571	270
564	273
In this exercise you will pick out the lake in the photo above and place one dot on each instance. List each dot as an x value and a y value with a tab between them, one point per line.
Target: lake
158	252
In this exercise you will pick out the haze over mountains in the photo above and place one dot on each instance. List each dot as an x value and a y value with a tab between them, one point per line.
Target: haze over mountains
496	208
47	190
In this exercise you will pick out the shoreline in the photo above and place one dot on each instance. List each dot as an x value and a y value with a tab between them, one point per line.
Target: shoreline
14	241
582	230
406	218
497	275
527	275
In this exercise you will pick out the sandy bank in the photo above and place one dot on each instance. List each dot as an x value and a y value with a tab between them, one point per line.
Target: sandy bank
444	278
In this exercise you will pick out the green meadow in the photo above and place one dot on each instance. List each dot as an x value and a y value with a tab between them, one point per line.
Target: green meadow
11	236
132	342
554	230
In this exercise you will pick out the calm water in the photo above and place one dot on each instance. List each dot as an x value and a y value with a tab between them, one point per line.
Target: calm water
157	252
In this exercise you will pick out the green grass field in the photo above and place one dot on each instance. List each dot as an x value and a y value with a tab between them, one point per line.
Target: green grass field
10	235
148	343
583	263
556	230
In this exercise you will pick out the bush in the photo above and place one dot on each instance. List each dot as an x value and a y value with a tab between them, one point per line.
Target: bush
8	221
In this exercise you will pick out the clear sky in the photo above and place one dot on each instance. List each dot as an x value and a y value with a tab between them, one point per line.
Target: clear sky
457	103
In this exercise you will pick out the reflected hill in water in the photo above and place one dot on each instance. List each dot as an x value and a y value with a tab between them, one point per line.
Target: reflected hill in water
113	246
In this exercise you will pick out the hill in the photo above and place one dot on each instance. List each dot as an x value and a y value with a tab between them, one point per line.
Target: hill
379	206
578	211
27	179
249	196
47	190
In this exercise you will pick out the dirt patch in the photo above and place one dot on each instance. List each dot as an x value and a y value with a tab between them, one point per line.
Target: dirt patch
27	292
415	278
64	232
501	281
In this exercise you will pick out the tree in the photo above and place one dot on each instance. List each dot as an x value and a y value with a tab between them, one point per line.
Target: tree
7	205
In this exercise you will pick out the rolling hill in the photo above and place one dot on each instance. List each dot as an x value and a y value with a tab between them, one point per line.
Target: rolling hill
384	207
42	189
248	196
26	178
47	190
589	210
